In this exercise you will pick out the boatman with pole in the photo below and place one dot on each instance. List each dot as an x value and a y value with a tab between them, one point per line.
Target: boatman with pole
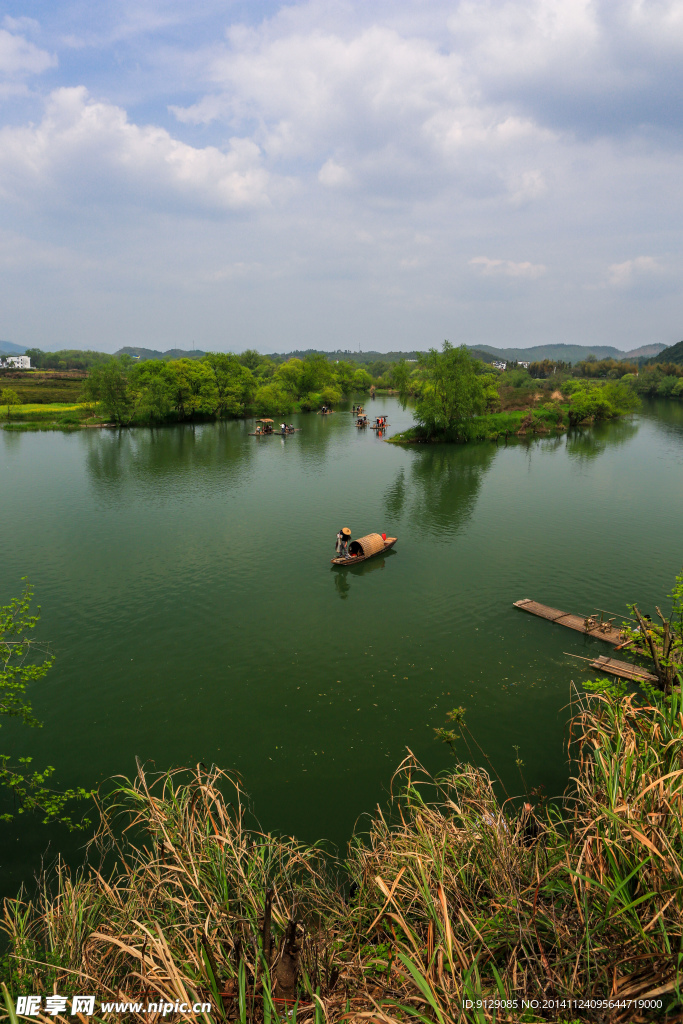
342	545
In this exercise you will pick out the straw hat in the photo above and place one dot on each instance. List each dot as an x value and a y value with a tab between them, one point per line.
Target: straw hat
346	531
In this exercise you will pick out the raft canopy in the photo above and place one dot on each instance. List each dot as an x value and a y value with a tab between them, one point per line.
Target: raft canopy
264	421
368	545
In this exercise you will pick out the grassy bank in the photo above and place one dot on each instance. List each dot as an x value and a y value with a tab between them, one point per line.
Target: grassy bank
494	425
54	416
458	892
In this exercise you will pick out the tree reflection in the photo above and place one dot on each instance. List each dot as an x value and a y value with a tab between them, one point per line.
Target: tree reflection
666	414
586	445
440	491
216	451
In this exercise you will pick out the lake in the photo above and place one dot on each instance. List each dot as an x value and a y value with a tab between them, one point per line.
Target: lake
186	588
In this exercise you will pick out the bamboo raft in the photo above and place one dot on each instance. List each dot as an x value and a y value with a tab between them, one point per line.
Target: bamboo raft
623	669
582	624
601	631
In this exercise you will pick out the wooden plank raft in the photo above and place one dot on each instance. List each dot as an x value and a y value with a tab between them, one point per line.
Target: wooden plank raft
623	670
602	631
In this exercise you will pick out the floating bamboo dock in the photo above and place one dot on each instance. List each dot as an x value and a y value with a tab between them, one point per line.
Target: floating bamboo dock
623	669
587	625
601	630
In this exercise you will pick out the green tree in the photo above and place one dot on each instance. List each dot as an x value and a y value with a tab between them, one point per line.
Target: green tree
290	375
251	359
24	661
400	375
272	399
316	374
452	391
234	383
154	382
362	380
592	400
9	398
110	384
192	387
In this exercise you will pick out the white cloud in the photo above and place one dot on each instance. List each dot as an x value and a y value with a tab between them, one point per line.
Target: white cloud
523	37
21	24
19	57
347	134
397	111
508	268
623	274
333	174
84	150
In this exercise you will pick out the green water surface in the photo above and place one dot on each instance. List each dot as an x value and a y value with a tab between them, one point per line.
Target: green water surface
186	587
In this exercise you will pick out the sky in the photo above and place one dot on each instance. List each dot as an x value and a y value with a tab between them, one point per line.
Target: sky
346	174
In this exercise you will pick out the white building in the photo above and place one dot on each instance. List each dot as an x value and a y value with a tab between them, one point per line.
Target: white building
17	362
498	365
524	364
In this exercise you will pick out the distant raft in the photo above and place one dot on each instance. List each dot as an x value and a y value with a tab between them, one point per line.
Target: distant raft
366	547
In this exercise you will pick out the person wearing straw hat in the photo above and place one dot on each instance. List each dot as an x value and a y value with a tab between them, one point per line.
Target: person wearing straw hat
342	545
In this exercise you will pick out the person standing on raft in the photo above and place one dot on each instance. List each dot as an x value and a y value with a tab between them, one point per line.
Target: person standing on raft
342	544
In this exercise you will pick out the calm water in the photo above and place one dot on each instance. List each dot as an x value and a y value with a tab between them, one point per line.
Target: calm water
185	586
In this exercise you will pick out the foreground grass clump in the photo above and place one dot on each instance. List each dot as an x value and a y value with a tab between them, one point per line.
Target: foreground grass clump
456	896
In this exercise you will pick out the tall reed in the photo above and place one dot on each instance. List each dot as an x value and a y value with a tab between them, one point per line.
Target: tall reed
453	895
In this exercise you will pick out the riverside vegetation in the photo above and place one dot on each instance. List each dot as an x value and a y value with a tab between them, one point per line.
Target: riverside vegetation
125	393
458	893
458	398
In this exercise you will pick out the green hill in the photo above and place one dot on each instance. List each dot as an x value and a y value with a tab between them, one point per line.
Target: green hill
150	353
672	354
567	353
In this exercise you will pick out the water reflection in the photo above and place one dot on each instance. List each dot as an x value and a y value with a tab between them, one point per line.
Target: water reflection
343	573
148	454
587	444
442	486
666	414
395	497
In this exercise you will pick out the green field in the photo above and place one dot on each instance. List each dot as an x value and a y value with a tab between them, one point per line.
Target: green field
43	388
41	416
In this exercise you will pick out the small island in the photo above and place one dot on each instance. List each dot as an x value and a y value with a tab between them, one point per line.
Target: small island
460	399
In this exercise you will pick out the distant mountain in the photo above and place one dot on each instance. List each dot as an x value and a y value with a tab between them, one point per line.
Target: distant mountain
644	350
8	348
150	353
346	355
673	354
567	353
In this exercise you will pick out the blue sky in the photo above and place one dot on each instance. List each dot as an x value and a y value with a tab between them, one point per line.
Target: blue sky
340	174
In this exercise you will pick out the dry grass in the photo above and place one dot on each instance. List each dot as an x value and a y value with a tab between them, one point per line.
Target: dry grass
454	896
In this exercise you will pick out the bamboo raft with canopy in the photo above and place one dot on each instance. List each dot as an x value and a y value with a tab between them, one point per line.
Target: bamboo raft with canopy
267	430
366	547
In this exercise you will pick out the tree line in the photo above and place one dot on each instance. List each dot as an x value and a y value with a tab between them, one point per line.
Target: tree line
218	385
